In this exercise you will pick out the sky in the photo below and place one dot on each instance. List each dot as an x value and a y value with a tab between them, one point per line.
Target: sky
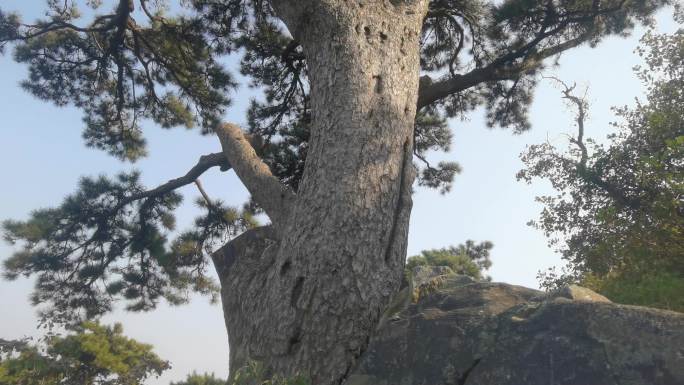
42	157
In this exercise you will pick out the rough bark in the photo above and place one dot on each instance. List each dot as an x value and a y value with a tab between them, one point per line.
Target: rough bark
274	197
305	296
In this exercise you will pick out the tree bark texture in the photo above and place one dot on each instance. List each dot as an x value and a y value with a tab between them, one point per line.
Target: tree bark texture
305	294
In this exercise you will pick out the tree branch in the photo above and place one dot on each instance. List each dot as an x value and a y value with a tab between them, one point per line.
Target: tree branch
586	172
205	162
430	92
274	197
581	105
116	20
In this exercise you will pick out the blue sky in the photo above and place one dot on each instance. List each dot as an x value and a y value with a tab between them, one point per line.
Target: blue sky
43	156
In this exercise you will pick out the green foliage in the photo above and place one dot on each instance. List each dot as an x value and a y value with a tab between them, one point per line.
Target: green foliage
125	65
120	72
661	289
468	259
491	36
201	379
431	132
440	177
92	354
619	216
103	243
513	31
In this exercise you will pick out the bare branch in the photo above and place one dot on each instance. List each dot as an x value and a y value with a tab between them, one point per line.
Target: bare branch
203	192
586	172
274	197
149	14
205	162
581	105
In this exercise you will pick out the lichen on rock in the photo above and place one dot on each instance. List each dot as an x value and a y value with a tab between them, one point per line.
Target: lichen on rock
464	332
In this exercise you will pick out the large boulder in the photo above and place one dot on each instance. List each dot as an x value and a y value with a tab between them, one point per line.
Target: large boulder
449	329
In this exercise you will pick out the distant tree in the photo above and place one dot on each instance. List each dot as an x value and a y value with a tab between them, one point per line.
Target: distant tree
618	218
92	355
468	259
201	379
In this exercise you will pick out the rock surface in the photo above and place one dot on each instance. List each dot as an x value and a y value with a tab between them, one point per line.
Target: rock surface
462	332
578	293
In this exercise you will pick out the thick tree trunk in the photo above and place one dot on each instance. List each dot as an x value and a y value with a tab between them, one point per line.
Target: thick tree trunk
306	295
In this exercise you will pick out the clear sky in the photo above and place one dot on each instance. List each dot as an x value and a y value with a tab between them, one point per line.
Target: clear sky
43	156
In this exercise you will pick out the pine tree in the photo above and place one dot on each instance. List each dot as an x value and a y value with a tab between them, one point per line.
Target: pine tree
328	155
201	379
469	259
90	354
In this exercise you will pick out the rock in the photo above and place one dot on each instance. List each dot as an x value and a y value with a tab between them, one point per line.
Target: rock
463	332
578	293
425	279
424	274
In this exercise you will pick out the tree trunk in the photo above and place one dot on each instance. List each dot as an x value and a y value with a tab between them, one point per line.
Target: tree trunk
306	295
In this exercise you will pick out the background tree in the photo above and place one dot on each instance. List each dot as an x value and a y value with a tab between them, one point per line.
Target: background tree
469	259
253	373
619	216
328	154
201	379
91	354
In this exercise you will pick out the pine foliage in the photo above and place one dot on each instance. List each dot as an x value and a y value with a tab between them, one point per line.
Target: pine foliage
201	379
102	244
91	354
471	259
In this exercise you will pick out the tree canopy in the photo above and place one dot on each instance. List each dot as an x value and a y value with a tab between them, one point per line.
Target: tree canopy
91	355
123	62
469	259
618	218
201	379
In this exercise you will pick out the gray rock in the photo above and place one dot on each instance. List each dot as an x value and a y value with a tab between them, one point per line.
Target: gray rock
424	274
578	293
463	332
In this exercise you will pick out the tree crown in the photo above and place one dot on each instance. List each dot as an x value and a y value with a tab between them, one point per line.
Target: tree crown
469	259
91	354
618	217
